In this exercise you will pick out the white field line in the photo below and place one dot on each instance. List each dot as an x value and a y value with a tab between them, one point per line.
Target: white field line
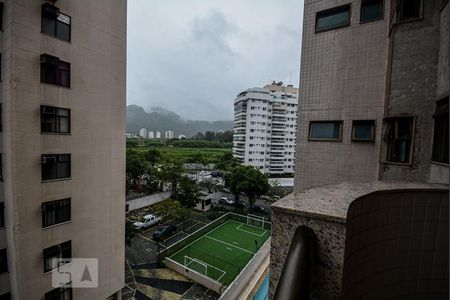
202	236
249	232
242	249
206	264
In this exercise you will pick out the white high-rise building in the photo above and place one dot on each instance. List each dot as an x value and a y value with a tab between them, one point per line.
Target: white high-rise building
158	135
265	123
143	132
168	134
150	134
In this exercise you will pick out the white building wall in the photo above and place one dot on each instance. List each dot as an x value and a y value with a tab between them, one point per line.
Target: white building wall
265	129
143	132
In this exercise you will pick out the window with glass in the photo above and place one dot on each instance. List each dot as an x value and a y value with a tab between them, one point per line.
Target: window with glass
55	119
325	130
363	130
55	23
55	212
55	166
399	138
333	18
409	10
57	255
440	139
371	10
61	293
55	71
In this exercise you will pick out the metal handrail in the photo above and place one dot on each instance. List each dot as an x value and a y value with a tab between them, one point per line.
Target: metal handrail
295	279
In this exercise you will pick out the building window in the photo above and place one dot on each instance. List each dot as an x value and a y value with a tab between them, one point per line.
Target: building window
363	130
371	10
55	212
409	10
440	140
55	23
55	71
61	293
1	15
399	136
333	18
2	214
3	261
325	130
55	119
57	255
55	166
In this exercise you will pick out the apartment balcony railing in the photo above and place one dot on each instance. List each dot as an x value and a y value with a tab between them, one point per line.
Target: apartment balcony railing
375	240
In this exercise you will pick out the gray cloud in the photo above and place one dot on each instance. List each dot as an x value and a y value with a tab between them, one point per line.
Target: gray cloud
193	57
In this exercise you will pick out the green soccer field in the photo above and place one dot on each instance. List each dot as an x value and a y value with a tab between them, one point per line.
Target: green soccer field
224	251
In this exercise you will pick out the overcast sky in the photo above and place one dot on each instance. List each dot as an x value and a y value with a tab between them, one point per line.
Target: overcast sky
194	56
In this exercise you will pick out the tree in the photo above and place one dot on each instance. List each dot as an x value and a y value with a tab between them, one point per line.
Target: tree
171	172
136	166
210	136
130	232
189	192
153	156
227	161
247	180
209	184
150	181
170	209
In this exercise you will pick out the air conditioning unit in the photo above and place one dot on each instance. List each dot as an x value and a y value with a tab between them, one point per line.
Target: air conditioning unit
50	10
48	160
48	110
49	60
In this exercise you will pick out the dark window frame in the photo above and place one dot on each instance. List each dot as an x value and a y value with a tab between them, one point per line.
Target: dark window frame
57	116
57	293
391	141
398	12
341	125
55	71
365	2
58	24
330	11
2	214
53	160
3	261
56	212
2	11
1	167
61	251
355	123
440	150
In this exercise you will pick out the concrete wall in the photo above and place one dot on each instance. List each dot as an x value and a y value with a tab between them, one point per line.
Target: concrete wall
97	53
342	77
412	87
147	200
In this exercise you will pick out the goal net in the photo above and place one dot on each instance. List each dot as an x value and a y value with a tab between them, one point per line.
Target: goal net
196	265
254	220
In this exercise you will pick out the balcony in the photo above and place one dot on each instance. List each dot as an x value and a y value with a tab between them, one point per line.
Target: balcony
374	240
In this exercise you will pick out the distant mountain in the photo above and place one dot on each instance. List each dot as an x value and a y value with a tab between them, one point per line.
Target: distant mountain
160	119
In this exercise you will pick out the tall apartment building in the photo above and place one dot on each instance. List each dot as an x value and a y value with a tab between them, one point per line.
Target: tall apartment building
265	128
143	133
372	150
150	134
62	192
168	134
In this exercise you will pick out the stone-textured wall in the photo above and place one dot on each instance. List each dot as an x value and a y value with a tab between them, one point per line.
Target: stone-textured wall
327	274
412	87
342	77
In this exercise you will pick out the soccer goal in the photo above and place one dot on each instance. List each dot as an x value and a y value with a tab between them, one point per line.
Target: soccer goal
196	265
254	220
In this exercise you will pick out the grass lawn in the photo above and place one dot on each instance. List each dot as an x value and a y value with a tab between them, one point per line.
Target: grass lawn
224	251
211	155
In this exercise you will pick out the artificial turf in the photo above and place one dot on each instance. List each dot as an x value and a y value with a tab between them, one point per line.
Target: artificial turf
224	251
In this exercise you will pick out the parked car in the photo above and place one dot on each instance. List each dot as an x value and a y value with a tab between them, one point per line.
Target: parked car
164	232
147	221
226	201
258	209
